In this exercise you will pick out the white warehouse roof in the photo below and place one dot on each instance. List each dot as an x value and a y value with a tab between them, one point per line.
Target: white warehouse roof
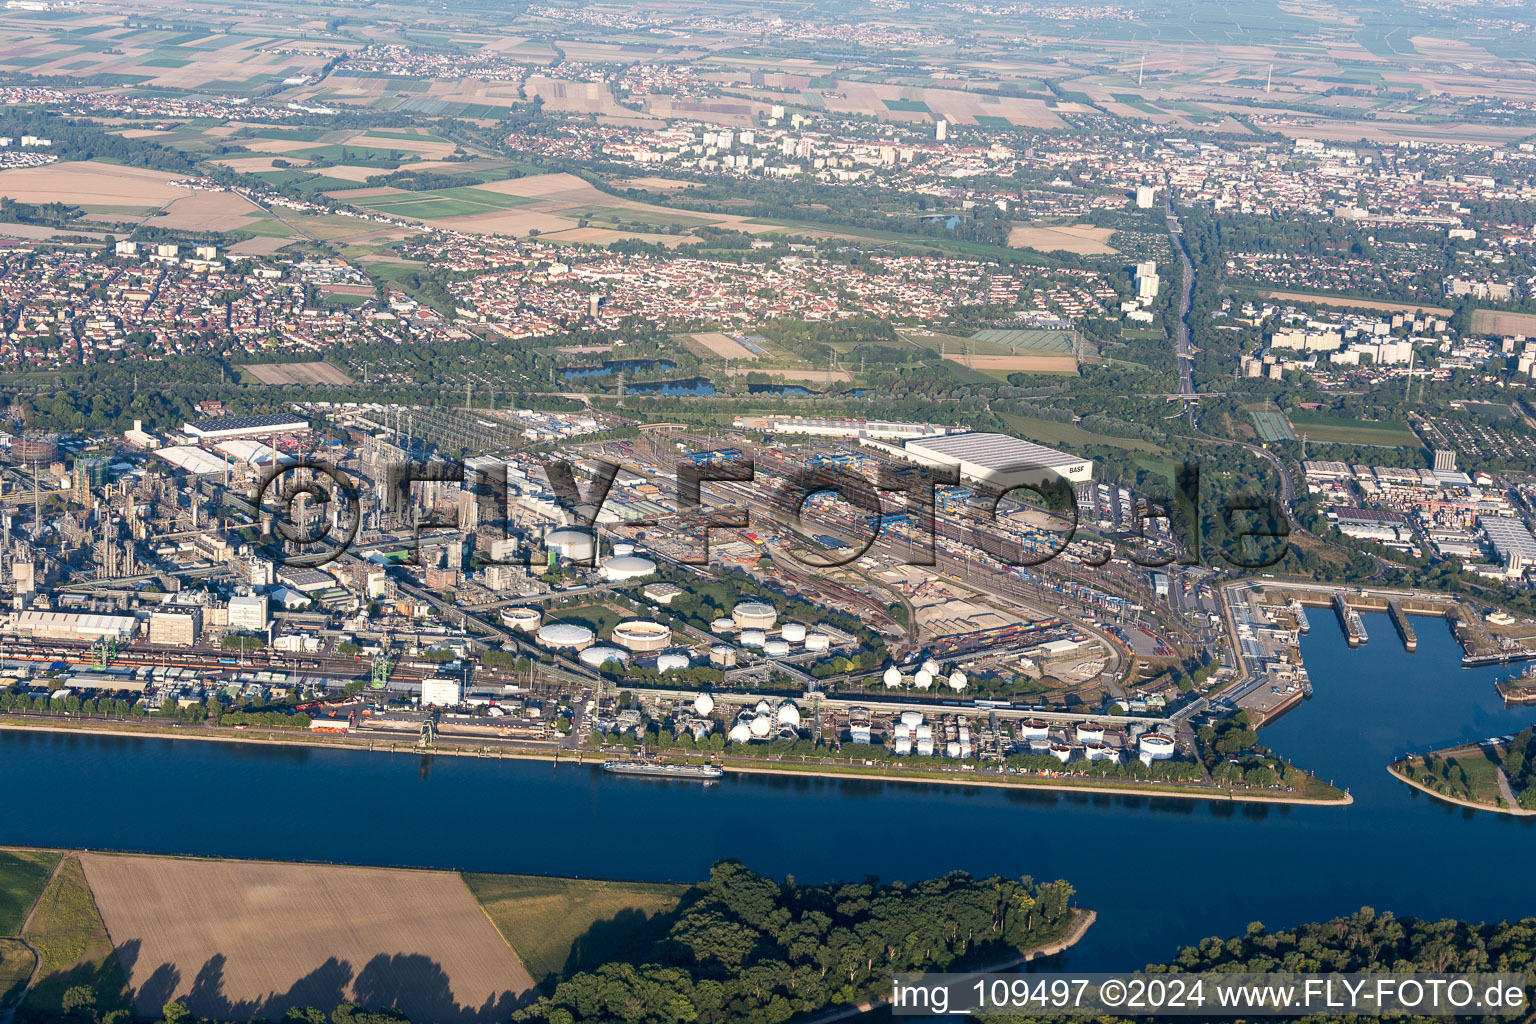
998	459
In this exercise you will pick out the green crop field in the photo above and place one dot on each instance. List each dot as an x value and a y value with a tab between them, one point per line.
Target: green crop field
1338	430
907	106
449	202
23	873
73	946
993	121
558	924
615	215
16	963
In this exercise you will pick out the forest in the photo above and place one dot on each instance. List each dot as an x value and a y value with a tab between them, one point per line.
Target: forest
1365	942
742	947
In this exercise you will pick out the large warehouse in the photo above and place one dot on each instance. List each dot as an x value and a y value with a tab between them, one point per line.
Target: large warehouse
221	428
998	461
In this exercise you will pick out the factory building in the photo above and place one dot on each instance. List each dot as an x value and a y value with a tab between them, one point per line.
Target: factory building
998	461
74	626
222	428
174	628
1512	543
248	612
442	691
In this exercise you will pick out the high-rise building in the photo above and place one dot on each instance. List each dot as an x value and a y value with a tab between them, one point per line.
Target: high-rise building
1445	460
941	130
1145	196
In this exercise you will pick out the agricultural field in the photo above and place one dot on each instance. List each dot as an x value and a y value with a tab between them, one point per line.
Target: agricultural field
721	346
1080	239
89	183
1492	321
244	940
23	874
16	963
298	373
73	946
1318	299
1270	423
560	924
1338	430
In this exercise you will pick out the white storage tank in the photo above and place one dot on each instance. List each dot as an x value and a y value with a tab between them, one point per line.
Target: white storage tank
622	548
596	657
903	745
1039	745
1087	732
957	681
642	635
525	619
753	638
952	749
627	567
576	545
911	719
1100	752
723	625
820	642
755	615
923	679
793	632
703	704
931	667
892	677
1032	728
1061	752
1156	746
762	725
925	747
722	656
565	636
671	662
740	733
789	714
776	649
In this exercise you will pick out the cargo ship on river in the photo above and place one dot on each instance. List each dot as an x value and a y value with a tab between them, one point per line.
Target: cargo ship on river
656	769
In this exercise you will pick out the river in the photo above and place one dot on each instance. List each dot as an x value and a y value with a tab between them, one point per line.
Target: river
1160	872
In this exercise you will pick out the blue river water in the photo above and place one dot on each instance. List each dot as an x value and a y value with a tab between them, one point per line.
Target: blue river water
1160	872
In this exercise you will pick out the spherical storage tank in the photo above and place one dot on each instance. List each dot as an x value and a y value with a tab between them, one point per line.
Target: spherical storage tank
923	680
753	638
573	544
671	662
793	632
754	615
957	681
565	635
892	677
597	657
642	635
627	567
789	714
821	642
776	648
525	619
931	667
739	733
703	704
762	725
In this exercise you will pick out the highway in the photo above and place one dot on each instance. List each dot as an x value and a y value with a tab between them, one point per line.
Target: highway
1182	346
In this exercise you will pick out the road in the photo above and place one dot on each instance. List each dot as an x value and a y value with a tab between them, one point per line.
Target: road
1181	344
